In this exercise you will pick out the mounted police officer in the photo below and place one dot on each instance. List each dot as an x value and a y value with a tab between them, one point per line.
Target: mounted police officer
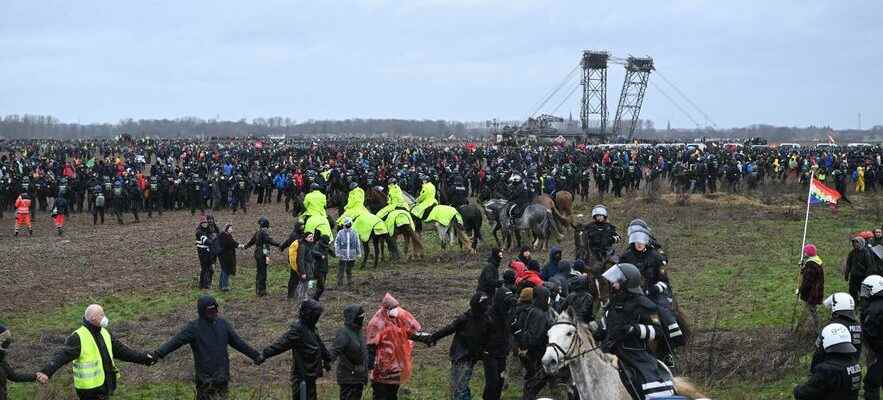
599	236
630	323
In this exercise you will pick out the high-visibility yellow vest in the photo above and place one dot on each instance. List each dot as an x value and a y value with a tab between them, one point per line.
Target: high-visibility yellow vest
88	368
292	255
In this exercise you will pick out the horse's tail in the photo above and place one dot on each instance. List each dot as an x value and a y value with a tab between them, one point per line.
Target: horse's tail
684	387
682	323
412	235
461	234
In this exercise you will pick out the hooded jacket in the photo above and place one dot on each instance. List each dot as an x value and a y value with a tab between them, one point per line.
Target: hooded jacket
562	277
350	350
208	340
551	267
471	330
489	279
525	277
308	353
6	372
860	263
537	321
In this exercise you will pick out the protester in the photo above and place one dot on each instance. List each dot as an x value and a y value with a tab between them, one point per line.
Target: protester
208	336
812	283
389	336
308	354
93	350
6	372
227	258
348	249
261	241
351	353
471	332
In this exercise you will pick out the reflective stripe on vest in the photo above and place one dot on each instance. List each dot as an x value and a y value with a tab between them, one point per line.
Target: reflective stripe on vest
88	368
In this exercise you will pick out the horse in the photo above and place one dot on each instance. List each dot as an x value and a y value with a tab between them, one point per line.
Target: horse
494	209
547	201
564	205
472	221
398	225
449	225
375	199
595	373
536	218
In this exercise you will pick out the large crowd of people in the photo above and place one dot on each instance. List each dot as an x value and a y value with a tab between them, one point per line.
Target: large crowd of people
615	282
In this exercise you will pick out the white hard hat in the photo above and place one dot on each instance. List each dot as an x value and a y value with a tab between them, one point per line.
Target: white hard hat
840	302
639	237
837	339
871	286
599	210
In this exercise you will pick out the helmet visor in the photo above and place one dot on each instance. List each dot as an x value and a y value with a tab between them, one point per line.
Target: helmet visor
614	275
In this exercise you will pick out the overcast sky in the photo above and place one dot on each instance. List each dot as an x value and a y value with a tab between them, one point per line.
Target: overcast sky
742	62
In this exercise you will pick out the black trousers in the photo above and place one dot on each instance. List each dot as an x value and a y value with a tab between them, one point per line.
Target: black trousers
303	390
260	278
494	376
874	376
95	213
534	376
383	391
214	391
351	392
205	271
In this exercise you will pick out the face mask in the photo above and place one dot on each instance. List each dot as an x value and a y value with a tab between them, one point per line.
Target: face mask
104	322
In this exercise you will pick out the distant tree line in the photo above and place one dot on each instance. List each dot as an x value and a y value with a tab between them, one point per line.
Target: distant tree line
43	126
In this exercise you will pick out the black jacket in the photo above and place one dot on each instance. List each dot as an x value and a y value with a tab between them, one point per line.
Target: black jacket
838	377
8	374
471	331
261	241
499	338
601	236
647	261
349	349
208	340
308	353
538	320
489	279
71	351
227	258
872	324
860	263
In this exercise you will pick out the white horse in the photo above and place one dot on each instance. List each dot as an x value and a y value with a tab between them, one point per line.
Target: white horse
594	372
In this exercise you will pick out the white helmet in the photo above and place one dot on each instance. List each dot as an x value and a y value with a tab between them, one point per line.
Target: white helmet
639	237
840	302
515	178
600	209
638	228
872	285
836	338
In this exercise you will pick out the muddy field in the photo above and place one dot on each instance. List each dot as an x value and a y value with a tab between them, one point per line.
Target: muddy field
146	275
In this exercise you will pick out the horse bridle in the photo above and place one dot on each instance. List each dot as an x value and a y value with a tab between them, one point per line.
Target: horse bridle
576	343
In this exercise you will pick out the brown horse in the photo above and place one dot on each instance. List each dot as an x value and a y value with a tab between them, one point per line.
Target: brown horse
564	205
547	201
412	239
375	199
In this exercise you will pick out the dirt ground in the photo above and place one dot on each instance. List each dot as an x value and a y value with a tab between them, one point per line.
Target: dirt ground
155	259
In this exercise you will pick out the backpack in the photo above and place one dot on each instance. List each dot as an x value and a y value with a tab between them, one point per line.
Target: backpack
518	327
292	255
99	200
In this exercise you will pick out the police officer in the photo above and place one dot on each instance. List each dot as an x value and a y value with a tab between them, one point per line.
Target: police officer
99	205
600	236
839	375
872	331
518	194
842	308
642	256
630	323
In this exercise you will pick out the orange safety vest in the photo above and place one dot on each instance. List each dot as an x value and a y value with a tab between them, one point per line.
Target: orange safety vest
23	206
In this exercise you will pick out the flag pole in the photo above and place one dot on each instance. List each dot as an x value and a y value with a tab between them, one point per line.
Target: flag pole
795	322
806	220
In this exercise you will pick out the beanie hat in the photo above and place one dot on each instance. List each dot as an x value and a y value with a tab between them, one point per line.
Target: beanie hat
809	250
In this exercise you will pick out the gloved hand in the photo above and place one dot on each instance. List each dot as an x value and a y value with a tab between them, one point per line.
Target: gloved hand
152	358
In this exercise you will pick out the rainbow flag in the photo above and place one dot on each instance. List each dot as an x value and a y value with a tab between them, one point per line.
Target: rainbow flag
821	194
